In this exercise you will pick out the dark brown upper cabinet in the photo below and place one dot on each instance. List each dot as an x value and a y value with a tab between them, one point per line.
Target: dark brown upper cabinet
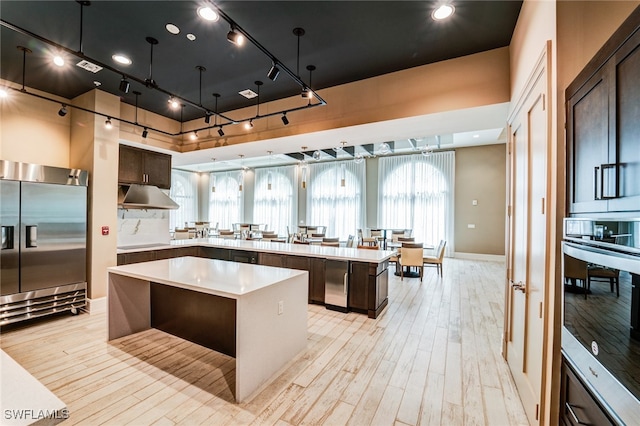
603	128
144	167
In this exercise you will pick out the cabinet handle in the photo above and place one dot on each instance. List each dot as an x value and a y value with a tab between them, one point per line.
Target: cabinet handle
345	282
573	414
607	170
595	182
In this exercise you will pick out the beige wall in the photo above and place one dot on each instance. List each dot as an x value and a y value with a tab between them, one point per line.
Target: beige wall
480	175
31	130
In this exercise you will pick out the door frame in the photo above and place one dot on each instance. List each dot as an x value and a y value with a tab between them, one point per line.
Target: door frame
541	69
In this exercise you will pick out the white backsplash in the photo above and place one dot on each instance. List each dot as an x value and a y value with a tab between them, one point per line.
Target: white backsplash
137	227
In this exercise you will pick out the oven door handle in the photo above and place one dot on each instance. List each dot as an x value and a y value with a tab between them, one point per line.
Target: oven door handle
573	414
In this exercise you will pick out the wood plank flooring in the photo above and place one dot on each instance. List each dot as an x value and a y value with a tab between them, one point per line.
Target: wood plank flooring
431	358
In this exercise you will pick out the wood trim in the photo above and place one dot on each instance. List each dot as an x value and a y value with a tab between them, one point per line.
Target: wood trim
622	34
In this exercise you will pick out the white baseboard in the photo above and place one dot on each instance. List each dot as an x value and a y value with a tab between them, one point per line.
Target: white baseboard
96	306
480	256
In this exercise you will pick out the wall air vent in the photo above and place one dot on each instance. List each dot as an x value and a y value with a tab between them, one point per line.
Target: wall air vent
248	93
84	64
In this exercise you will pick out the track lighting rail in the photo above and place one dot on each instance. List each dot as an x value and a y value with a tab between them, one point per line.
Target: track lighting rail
264	50
81	55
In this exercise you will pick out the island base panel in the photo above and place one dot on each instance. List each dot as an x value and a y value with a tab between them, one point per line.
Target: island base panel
205	319
128	306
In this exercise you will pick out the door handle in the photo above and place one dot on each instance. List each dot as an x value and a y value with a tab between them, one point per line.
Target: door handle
7	237
518	286
345	282
32	236
608	189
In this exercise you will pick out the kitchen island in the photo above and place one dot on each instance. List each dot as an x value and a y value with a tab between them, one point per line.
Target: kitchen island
257	314
365	271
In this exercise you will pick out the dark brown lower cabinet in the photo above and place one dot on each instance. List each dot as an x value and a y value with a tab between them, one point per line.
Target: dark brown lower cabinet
577	405
368	287
368	282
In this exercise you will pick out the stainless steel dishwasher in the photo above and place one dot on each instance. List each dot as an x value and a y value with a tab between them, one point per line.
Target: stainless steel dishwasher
336	287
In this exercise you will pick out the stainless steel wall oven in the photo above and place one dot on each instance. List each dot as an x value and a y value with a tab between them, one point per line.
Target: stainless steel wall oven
601	330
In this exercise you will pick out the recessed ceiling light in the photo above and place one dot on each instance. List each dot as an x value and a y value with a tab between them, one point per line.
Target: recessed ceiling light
173	29
121	59
443	12
208	14
248	93
58	61
191	37
97	83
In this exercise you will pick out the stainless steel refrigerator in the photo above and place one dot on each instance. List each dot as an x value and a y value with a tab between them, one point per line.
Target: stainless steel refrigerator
43	218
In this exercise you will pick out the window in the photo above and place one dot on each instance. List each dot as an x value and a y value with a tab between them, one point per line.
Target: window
339	208
416	192
225	203
184	192
276	207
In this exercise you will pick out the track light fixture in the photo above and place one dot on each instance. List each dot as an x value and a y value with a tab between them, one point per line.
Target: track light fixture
316	155
124	85
274	72
235	37
107	124
207	117
173	103
63	111
220	131
285	120
150	82
145	133
306	91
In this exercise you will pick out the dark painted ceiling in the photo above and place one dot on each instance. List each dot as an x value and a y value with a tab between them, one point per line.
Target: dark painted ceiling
345	40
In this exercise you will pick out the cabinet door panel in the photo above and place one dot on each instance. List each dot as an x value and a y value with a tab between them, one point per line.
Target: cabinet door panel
628	126
130	165
588	138
158	169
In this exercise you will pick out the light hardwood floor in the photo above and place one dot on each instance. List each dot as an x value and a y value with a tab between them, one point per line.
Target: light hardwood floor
432	357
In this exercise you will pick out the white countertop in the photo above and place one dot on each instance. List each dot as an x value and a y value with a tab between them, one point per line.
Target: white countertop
311	250
219	277
24	400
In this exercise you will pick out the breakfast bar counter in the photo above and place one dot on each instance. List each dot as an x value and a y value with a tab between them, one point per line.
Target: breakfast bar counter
255	313
362	274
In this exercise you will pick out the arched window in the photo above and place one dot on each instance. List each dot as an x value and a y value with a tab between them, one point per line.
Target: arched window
416	192
225	200
184	192
339	208
276	207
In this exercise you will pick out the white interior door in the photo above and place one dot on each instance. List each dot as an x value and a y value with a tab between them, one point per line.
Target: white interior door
527	244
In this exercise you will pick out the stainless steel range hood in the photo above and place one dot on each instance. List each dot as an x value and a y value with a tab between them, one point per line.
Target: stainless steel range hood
144	197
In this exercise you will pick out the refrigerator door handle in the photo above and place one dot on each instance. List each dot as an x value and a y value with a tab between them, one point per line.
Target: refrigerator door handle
7	237
32	236
345	282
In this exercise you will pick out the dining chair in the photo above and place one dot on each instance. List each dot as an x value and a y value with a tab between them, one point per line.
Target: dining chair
350	241
227	234
411	256
367	247
436	258
181	234
362	240
601	273
330	243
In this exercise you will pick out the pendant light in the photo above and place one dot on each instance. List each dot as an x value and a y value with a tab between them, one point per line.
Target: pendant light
303	170
269	173
241	176
343	175
213	178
